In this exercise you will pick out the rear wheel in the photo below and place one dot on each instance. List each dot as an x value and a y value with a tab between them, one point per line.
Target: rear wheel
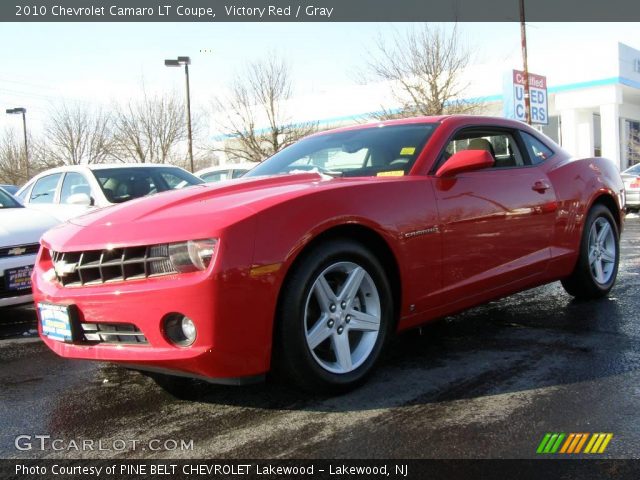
335	317
597	266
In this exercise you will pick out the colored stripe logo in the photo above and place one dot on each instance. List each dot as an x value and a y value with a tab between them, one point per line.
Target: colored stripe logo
574	443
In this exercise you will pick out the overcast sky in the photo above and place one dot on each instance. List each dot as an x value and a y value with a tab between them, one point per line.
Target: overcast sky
44	64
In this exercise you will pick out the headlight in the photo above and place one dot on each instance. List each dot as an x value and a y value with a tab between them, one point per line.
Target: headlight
193	255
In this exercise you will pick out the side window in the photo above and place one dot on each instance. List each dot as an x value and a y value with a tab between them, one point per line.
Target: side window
501	145
538	151
215	176
44	191
237	173
73	183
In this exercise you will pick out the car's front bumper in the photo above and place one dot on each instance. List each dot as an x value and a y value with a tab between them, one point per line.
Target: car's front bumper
233	338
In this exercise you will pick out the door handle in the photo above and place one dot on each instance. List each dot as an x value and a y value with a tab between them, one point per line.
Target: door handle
541	186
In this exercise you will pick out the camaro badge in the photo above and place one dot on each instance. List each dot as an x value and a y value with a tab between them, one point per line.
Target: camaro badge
17	251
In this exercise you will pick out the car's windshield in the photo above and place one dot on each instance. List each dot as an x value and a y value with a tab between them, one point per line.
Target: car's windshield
7	201
122	184
635	170
376	151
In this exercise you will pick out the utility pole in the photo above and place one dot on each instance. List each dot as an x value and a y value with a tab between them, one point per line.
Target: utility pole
523	37
23	111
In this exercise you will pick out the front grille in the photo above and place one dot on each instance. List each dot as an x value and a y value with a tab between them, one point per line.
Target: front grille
113	333
17	250
95	267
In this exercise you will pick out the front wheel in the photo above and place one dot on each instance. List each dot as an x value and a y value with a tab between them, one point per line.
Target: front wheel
335	315
597	266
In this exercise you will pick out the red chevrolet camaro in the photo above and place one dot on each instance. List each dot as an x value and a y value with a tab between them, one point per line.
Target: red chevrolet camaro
307	265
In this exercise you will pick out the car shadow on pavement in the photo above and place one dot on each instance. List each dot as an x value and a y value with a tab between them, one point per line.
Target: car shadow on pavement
528	341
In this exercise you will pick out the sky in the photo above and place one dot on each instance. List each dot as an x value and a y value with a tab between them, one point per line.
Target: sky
99	63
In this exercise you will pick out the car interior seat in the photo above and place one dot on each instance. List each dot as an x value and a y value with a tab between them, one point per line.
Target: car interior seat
482	144
140	187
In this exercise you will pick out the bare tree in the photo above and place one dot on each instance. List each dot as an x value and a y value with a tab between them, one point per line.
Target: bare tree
12	159
77	135
424	68
150	130
254	115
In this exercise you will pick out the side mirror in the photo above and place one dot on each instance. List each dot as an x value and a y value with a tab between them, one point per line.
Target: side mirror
465	161
80	199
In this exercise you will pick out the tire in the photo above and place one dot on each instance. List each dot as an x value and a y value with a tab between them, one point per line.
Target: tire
594	277
334	318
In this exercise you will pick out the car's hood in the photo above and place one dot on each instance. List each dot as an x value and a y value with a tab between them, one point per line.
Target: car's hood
21	226
194	212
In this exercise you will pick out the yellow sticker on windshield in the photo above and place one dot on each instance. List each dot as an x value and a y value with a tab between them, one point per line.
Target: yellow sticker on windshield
392	173
408	151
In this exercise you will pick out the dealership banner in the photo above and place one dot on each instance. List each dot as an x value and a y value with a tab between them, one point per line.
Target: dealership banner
316	11
514	97
319	469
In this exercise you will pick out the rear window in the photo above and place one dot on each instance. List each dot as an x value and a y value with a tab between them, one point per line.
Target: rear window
375	151
7	201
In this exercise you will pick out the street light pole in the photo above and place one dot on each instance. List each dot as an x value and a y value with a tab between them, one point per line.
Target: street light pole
186	61
23	111
523	38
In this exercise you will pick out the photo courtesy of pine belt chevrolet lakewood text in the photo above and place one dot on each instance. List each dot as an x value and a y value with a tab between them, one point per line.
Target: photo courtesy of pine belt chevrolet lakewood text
308	264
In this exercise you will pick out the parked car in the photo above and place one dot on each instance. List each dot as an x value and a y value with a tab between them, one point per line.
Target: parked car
20	232
11	189
380	228
631	179
224	172
69	191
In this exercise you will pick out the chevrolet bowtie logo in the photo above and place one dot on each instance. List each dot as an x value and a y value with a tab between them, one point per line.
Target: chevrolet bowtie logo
63	268
17	251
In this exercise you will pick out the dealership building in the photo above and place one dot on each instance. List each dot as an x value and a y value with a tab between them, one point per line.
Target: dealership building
592	104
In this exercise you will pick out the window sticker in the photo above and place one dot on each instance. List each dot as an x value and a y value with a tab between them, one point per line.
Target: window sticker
408	151
392	173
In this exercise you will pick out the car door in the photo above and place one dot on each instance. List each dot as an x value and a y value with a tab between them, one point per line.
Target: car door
497	223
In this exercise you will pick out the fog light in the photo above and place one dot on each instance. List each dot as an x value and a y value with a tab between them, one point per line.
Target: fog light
179	329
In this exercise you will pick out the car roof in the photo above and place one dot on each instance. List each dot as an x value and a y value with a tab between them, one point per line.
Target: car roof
442	119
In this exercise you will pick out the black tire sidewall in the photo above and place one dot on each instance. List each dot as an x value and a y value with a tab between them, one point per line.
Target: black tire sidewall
298	361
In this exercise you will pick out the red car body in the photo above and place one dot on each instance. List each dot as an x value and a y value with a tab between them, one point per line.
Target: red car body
451	243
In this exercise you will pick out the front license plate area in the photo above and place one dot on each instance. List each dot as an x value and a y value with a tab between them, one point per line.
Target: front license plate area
18	279
56	321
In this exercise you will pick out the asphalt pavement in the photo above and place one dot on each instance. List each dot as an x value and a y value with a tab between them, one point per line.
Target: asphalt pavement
488	383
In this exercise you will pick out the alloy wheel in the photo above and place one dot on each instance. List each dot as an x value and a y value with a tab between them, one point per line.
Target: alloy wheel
342	317
602	250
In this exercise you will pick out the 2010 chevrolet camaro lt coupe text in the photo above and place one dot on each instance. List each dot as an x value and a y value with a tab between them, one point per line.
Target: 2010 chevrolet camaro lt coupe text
308	264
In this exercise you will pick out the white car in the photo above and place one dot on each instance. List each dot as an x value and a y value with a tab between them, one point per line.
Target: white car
631	179
20	232
224	172
69	191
